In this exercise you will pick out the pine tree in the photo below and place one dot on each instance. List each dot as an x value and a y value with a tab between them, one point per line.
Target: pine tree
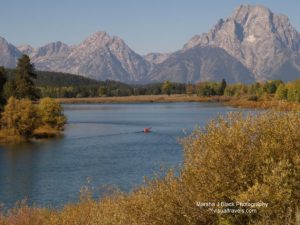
24	85
2	83
222	87
2	78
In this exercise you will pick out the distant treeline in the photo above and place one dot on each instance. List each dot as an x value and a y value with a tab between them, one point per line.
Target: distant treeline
109	88
63	85
56	79
257	91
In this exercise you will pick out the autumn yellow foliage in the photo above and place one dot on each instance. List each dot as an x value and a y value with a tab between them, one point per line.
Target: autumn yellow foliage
21	119
235	158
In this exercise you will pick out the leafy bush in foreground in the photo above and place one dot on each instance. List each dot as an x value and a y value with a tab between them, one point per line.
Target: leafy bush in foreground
247	159
233	158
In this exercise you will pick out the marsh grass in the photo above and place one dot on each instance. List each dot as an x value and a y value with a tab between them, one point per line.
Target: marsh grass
264	104
142	98
267	102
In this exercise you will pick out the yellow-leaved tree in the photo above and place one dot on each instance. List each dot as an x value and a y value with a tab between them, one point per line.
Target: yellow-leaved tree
19	117
51	117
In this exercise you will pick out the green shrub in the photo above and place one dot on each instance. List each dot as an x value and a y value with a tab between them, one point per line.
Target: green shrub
293	93
281	92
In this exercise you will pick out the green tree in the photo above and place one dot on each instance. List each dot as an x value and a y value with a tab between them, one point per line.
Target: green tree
222	87
236	90
24	85
281	92
167	87
293	91
9	88
270	87
51	114
256	90
19	117
2	78
206	89
2	83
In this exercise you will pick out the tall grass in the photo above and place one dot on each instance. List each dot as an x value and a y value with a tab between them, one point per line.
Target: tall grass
143	98
265	104
234	158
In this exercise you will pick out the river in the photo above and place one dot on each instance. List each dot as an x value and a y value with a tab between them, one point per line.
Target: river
103	144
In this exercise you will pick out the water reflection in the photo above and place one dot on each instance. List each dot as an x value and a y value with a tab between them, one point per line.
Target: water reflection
103	142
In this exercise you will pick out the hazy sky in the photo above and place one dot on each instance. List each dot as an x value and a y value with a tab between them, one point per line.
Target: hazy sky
145	25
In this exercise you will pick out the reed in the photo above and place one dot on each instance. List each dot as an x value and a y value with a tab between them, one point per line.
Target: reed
263	104
141	99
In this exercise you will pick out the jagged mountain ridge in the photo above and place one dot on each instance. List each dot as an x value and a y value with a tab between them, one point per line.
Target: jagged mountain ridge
103	57
100	56
266	43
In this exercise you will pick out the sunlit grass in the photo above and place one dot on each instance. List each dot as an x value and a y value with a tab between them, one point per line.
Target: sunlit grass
141	98
265	104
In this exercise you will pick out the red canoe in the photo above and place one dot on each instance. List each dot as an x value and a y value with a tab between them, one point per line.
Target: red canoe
147	129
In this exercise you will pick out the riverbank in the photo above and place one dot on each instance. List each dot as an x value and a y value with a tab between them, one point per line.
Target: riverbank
264	104
9	137
143	99
230	101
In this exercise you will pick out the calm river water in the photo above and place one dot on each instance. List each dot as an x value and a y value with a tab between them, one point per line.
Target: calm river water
102	143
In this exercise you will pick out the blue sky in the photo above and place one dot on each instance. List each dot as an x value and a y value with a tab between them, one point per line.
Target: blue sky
145	25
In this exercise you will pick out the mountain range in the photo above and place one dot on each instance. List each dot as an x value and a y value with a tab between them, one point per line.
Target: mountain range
252	44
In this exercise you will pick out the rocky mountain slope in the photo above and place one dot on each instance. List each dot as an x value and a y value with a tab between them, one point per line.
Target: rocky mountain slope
253	43
266	43
156	58
8	54
100	56
201	64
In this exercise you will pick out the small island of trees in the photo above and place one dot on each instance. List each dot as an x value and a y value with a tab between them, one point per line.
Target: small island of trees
22	114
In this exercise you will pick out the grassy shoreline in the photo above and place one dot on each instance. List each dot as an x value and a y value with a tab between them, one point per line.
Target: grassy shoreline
7	137
229	101
143	99
278	105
